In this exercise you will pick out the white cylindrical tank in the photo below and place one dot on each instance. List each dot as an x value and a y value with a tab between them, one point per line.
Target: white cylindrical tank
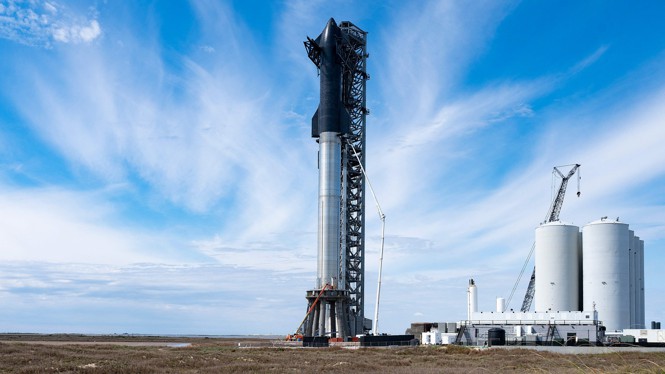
557	267
635	257
472	299
640	287
632	250
580	288
500	304
605	272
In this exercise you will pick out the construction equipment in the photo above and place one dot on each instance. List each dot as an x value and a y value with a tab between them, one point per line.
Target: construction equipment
552	216
297	336
555	209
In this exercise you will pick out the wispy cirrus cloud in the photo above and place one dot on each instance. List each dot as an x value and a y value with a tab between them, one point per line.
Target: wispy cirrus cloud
41	23
589	60
205	137
427	47
196	137
59	225
423	115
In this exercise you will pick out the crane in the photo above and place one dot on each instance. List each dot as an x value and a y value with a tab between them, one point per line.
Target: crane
298	335
555	209
552	216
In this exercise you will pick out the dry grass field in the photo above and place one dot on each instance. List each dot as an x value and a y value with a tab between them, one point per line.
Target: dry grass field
224	355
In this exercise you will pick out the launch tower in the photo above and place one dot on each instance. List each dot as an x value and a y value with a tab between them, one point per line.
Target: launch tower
336	305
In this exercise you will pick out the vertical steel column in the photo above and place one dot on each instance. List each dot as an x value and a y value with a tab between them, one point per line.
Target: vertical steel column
322	319
309	319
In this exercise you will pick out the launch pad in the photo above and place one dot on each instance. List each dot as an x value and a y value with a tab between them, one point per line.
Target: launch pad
328	316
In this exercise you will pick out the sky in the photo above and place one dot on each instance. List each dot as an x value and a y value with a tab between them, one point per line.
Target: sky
158	175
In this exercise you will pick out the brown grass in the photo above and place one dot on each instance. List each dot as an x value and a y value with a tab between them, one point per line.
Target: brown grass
216	355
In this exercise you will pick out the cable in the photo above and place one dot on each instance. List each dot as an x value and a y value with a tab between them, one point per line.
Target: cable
383	231
519	278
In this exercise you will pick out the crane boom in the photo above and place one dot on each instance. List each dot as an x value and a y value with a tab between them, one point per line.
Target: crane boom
555	209
552	216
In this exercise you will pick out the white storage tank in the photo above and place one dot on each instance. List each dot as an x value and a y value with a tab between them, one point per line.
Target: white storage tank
557	267
472	299
632	275
580	290
605	271
500	304
640	284
636	277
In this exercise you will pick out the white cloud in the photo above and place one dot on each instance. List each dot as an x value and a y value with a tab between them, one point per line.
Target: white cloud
40	23
207	49
427	48
271	253
56	225
150	299
212	133
595	56
77	33
50	7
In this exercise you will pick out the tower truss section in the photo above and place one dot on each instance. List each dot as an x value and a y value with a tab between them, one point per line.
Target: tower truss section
353	54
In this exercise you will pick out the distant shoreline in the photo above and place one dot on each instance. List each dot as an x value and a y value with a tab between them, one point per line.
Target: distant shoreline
129	338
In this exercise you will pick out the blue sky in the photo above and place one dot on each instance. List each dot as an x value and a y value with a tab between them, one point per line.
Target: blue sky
157	173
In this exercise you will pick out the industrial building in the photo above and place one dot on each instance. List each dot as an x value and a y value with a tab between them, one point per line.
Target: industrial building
588	287
589	290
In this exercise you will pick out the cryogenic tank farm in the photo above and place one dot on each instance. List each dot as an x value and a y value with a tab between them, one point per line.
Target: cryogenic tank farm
588	288
605	272
558	260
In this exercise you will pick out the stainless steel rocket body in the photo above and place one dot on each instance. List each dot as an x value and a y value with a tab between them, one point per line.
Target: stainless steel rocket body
330	196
